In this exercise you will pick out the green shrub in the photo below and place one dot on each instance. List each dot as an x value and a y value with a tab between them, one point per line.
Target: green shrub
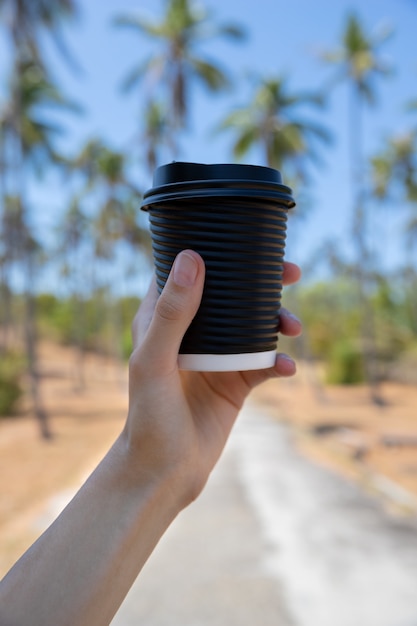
11	369
127	345
345	364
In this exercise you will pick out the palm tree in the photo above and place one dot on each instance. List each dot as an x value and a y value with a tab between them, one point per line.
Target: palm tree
29	126
28	136
111	210
5	260
394	172
396	165
17	243
24	20
359	63
116	220
28	146
271	122
73	252
156	134
115	226
177	65
104	177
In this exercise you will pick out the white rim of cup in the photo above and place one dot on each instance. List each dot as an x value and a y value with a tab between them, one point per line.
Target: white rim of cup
227	362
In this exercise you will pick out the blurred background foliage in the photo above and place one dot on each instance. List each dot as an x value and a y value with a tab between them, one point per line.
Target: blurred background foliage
360	325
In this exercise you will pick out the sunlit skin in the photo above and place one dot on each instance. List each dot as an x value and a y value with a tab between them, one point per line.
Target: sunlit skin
207	402
79	571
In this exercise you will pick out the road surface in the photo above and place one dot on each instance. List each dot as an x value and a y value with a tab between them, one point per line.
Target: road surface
277	541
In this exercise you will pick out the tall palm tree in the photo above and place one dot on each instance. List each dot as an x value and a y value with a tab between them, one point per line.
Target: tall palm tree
5	291
111	204
24	21
156	134
272	122
17	242
28	126
104	177
394	172
114	227
394	176
359	63
28	136
73	253
396	164
28	147
116	219
177	65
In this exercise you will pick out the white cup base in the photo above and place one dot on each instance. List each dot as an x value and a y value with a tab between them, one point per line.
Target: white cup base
226	362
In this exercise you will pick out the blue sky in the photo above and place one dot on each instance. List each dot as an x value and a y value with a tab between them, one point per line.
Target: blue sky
284	38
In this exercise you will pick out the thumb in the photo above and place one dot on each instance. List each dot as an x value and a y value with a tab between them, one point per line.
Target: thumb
174	311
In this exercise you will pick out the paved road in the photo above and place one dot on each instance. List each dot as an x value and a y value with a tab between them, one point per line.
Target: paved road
277	541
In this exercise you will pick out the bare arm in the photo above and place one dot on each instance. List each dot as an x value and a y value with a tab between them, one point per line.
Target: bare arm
80	569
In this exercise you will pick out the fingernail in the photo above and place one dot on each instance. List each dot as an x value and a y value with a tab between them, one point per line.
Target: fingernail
185	270
291	316
285	357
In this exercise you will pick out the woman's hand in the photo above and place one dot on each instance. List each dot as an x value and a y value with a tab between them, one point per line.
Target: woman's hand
179	421
81	568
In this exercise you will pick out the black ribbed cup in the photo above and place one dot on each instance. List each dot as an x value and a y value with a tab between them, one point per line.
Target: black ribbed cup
235	217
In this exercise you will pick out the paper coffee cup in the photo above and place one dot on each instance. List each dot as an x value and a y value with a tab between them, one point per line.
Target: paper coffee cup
235	217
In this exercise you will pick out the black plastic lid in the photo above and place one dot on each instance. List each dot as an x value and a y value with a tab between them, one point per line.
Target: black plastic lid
181	172
182	180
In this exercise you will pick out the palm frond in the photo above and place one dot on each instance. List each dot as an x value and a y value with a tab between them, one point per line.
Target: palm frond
139	24
135	75
245	141
211	76
233	31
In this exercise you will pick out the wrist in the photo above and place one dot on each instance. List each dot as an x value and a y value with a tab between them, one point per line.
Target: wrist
140	473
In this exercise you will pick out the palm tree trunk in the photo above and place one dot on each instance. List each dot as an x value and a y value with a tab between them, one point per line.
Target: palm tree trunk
4	285
76	263
363	265
32	356
29	265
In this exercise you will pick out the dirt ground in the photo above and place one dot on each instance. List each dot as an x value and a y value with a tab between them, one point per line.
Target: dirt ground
338	427
342	428
84	424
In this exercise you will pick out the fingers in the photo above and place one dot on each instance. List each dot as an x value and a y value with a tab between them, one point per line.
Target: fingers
292	273
173	312
289	324
284	366
167	317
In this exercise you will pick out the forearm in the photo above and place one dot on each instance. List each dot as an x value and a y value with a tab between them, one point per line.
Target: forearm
81	568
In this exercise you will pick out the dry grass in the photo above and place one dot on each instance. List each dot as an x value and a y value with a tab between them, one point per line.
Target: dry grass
341	428
338	427
84	423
